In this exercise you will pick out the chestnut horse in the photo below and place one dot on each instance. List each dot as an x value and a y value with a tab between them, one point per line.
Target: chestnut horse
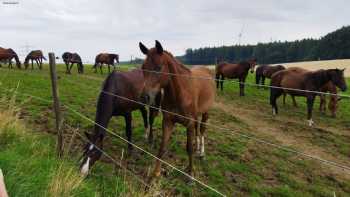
233	71
73	58
187	94
297	78
36	55
105	58
266	71
8	55
127	85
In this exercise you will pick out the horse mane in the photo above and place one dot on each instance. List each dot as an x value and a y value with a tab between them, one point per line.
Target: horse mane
176	61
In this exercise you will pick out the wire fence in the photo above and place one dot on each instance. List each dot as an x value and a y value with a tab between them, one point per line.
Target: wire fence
324	161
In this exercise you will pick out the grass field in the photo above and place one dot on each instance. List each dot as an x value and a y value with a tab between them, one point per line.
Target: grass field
233	164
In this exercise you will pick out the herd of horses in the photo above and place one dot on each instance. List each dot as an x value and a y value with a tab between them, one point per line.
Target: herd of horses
183	95
109	59
185	98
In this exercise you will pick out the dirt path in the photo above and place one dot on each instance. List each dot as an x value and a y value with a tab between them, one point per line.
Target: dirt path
257	121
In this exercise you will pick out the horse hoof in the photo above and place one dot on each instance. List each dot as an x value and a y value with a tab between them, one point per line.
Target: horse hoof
311	122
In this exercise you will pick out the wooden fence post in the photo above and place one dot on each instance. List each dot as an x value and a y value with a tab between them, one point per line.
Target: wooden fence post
56	103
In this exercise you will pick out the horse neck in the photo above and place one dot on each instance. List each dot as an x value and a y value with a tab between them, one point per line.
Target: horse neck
177	86
320	78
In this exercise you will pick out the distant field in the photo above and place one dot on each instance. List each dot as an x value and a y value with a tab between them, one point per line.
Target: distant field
314	65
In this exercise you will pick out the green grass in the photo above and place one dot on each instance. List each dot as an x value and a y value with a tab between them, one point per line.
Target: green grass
233	165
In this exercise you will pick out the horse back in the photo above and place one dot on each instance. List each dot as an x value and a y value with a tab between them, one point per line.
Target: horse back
203	88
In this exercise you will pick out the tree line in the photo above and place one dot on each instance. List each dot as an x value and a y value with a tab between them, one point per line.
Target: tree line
335	45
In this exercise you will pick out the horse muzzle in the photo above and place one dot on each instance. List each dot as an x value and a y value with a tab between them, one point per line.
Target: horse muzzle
149	98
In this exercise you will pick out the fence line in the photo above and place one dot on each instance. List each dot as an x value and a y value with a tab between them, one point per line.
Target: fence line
112	159
145	151
233	81
136	146
331	163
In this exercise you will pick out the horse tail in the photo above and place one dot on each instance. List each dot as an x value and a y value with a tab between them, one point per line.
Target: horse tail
44	58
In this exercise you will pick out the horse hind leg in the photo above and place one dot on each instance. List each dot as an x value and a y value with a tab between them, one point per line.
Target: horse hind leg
204	120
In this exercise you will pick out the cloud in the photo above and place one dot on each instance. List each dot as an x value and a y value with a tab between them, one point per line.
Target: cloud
90	27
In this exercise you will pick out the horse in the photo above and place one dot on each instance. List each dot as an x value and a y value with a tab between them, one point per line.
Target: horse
8	55
127	85
36	55
188	95
234	71
105	58
266	71
332	104
297	78
73	58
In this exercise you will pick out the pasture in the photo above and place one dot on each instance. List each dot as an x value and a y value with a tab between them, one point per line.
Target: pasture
234	165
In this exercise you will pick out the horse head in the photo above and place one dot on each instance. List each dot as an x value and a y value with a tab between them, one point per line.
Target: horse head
338	79
155	69
92	152
252	63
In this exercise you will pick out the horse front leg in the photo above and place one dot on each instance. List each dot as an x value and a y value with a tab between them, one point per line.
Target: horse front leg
128	130
241	87
168	127
32	65
203	125
145	121
310	103
322	104
222	82
189	147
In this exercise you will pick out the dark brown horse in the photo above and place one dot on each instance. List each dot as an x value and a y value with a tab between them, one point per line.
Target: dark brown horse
8	55
297	78
233	71
36	55
187	95
266	71
106	58
332	104
127	85
73	58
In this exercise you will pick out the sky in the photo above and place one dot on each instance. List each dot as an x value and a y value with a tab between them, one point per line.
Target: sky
117	26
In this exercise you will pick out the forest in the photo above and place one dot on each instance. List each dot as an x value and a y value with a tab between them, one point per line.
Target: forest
335	45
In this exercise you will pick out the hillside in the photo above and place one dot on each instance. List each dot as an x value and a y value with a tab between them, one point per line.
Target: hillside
335	45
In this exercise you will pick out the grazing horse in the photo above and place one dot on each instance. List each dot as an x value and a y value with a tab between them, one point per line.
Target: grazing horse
36	55
105	58
233	71
8	55
332	104
266	71
187	94
73	58
297	78
127	85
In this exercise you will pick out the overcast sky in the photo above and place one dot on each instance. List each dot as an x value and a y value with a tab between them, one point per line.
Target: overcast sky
90	27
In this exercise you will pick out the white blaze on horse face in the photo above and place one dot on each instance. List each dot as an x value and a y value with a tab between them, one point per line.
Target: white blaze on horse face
85	168
202	146
91	147
311	122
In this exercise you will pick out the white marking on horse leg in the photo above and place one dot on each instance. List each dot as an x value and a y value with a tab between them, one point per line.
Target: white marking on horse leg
202	147
273	111
198	144
311	122
85	169
147	131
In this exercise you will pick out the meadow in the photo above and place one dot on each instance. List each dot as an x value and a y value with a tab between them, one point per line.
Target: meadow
234	164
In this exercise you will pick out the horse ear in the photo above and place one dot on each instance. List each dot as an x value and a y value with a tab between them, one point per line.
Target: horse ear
159	47
87	135
143	48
